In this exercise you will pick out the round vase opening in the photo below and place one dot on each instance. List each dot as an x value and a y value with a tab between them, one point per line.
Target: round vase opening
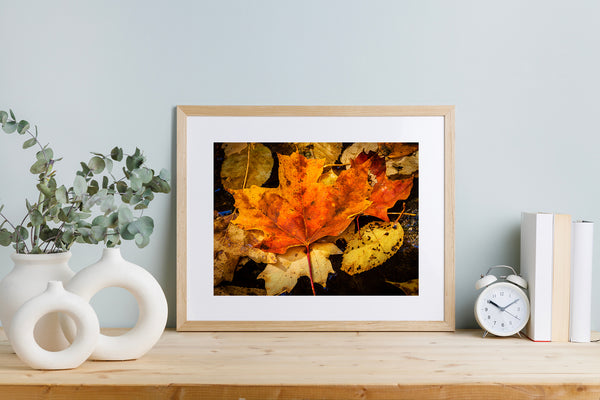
114	305
41	326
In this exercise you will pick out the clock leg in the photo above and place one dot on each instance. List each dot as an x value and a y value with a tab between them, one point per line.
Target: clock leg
485	333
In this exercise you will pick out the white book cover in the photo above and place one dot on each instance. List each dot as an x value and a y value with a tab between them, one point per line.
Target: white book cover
581	281
537	236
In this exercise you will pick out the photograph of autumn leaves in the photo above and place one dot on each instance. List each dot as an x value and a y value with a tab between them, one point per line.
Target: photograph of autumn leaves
316	219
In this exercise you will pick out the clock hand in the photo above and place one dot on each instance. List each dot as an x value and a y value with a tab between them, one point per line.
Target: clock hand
494	304
511	303
512	315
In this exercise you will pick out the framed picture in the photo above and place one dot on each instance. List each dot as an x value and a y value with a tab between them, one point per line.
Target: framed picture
315	218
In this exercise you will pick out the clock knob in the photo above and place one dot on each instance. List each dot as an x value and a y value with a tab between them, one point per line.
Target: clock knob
485	281
517	280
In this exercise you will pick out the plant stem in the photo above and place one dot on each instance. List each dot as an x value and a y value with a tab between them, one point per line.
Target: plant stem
310	270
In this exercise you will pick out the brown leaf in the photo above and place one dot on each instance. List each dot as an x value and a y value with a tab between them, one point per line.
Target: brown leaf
330	152
405	166
238	291
351	152
410	288
398	150
230	244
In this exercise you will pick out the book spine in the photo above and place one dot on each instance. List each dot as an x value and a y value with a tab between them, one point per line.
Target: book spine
581	281
536	269
561	281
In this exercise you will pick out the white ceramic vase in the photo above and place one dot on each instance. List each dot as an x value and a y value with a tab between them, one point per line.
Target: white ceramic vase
54	299
114	271
29	278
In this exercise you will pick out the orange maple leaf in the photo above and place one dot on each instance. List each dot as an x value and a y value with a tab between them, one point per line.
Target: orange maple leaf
303	210
386	192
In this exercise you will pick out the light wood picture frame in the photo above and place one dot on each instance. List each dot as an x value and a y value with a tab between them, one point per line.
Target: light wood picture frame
202	129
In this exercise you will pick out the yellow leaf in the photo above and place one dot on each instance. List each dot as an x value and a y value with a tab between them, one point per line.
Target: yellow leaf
249	166
373	245
282	276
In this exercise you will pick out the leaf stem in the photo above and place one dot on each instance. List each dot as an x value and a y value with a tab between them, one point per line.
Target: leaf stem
247	167
310	270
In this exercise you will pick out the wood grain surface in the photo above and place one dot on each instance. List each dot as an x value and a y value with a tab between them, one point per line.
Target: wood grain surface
322	365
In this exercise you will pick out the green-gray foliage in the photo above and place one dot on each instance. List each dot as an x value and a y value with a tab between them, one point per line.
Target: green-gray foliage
97	207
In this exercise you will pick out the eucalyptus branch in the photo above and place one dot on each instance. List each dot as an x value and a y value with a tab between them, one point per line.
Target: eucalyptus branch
63	216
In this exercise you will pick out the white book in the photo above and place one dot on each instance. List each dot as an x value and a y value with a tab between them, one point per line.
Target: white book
537	238
581	281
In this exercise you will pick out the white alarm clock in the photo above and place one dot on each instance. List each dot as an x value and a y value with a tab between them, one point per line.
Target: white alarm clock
502	308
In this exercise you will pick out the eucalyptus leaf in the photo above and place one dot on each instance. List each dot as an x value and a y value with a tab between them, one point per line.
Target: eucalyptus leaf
61	195
109	165
5	238
21	234
116	154
9	127
121	187
141	241
93	188
36	218
97	165
22	127
112	239
164	174
38	167
98	233
45	155
3	117
29	143
125	215
108	205
144	174
46	191
125	233
79	186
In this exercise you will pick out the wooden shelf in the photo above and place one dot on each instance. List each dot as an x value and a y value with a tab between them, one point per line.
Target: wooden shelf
324	365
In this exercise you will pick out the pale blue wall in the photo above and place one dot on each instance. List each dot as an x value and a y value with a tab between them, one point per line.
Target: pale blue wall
524	77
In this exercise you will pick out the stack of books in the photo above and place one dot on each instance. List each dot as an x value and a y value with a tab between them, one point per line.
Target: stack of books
556	261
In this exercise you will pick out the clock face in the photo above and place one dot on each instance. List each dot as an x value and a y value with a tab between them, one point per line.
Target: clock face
502	309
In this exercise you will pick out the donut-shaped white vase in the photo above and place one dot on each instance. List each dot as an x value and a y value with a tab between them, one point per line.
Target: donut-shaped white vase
54	299
114	271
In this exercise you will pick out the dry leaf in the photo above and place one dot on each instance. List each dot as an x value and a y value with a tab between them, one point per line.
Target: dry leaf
410	288
398	149
283	276
386	192
238	291
405	166
233	148
354	150
302	210
230	244
330	152
250	166
373	245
